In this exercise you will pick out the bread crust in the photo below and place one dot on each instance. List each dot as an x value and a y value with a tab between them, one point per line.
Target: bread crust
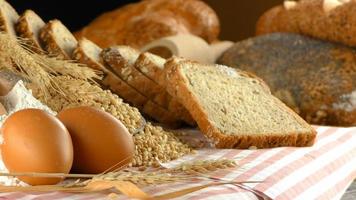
177	87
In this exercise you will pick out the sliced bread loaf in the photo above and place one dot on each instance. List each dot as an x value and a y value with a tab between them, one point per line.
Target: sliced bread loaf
235	109
58	40
29	26
89	53
122	59
8	18
152	66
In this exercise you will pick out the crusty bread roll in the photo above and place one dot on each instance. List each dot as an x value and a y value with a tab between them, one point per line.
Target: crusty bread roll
332	20
140	23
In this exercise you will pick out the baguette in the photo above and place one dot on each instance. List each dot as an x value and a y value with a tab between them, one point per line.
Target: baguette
331	20
235	109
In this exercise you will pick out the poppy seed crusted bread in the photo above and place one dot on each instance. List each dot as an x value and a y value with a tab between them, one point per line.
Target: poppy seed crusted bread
235	109
317	79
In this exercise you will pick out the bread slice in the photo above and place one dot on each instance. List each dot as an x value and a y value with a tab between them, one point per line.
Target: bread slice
121	60
58	40
152	66
89	53
235	109
8	18
29	26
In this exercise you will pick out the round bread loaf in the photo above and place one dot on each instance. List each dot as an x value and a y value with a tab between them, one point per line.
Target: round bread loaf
315	78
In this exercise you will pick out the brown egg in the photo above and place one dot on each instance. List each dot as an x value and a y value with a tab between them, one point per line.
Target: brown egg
36	141
100	141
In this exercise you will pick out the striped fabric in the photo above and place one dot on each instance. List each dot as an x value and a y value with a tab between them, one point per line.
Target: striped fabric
323	171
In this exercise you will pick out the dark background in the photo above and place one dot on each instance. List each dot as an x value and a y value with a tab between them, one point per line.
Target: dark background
237	17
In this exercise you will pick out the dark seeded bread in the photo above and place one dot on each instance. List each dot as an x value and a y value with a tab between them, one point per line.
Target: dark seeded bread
8	18
315	78
234	108
29	26
89	53
58	40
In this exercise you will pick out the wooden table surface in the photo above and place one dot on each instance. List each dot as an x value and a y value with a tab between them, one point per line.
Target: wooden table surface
350	193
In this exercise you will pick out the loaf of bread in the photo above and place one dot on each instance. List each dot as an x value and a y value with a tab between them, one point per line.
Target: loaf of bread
140	23
235	109
122	59
89	53
332	20
315	78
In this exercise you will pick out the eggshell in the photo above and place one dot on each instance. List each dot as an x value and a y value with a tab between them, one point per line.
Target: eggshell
100	141
36	141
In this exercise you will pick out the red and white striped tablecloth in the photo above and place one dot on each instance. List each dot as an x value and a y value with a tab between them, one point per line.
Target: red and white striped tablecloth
323	171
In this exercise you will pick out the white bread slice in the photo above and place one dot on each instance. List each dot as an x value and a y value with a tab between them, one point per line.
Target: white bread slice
29	26
58	40
234	108
8	18
88	53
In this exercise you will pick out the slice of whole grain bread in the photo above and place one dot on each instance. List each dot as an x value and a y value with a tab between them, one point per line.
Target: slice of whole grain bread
152	67
234	108
58	40
29	26
8	18
88	53
121	60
